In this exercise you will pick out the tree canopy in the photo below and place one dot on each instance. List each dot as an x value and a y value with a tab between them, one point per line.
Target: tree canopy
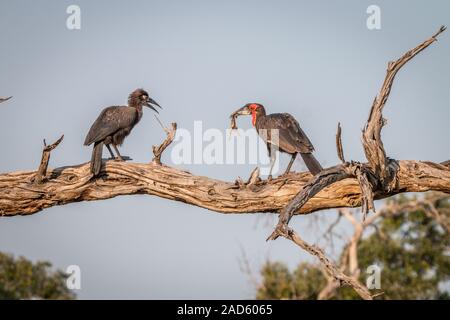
20	278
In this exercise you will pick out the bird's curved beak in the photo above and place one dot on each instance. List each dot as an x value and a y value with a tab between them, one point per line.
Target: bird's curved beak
245	110
151	102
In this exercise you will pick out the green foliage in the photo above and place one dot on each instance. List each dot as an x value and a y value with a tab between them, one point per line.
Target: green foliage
23	279
410	247
277	283
308	290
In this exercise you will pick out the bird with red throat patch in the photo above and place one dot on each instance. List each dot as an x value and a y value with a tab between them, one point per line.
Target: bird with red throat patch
290	138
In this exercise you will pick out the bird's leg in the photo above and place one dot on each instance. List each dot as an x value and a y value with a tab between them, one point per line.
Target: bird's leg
110	152
119	157
272	155
290	164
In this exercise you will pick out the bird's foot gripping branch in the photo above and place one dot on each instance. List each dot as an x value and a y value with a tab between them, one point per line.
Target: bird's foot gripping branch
349	184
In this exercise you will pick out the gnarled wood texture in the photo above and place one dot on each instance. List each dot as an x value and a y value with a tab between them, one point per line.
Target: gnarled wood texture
19	196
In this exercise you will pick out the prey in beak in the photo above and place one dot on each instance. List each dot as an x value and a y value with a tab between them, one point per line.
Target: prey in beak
234	115
244	111
252	109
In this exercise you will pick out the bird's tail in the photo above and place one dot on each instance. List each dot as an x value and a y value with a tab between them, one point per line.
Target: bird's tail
311	163
96	159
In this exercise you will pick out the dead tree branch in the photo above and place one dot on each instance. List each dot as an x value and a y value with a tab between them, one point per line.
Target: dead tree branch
5	99
379	175
427	205
349	184
330	267
371	136
349	258
335	187
42	171
19	196
340	150
368	176
158	150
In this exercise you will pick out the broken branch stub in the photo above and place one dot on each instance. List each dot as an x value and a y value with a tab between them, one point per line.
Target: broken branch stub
158	150
5	99
43	166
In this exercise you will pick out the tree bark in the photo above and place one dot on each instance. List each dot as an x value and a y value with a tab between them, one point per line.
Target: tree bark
20	196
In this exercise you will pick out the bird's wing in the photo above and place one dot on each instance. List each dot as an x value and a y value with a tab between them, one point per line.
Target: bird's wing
291	136
109	121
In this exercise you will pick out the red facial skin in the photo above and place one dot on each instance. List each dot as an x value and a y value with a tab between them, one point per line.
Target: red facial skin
253	108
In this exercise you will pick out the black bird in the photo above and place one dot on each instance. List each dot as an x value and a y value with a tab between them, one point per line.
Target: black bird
291	138
114	124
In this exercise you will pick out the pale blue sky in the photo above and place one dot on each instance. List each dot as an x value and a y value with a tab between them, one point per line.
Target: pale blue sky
201	60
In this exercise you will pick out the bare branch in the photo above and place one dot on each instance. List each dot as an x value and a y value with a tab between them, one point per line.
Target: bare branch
373	145
339	148
5	99
380	175
332	284
329	290
74	184
42	171
319	182
374	152
158	150
427	205
362	174
254	177
330	267
329	233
